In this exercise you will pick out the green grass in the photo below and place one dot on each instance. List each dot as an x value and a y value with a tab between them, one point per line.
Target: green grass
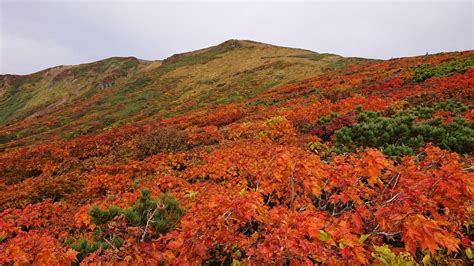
343	63
191	59
120	96
13	100
313	57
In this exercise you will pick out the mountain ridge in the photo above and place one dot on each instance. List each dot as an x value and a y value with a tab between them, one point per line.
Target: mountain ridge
232	43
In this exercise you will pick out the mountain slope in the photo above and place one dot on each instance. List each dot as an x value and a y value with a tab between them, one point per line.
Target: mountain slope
30	95
363	164
68	101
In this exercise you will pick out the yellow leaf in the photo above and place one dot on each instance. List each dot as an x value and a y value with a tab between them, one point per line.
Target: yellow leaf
363	238
169	255
324	236
3	236
255	236
469	253
426	259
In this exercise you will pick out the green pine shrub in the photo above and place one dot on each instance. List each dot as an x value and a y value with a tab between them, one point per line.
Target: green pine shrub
166	212
404	133
85	248
100	217
425	72
162	214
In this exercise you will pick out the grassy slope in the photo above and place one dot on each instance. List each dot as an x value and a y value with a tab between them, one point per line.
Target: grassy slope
68	101
32	95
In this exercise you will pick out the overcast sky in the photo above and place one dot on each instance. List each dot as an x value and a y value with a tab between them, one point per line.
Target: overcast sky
41	34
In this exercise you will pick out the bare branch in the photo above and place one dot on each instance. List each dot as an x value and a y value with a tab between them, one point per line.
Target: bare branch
469	169
387	234
149	218
110	243
392	198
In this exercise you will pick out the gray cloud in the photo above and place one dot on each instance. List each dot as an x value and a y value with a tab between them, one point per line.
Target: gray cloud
41	34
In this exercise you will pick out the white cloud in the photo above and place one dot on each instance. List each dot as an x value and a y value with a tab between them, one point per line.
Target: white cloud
22	55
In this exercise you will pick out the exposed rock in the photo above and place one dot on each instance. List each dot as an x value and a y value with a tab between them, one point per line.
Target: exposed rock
104	85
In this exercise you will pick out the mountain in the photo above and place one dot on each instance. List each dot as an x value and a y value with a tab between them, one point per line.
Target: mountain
240	154
68	101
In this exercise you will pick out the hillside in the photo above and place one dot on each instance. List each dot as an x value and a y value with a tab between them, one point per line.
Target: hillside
68	101
241	153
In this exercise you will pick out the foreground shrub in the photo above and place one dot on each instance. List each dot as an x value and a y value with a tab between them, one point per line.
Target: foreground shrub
160	140
85	248
162	215
403	133
425	72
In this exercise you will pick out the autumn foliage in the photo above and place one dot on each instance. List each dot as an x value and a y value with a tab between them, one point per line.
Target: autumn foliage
362	165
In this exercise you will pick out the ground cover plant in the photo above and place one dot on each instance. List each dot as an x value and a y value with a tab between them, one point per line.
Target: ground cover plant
365	163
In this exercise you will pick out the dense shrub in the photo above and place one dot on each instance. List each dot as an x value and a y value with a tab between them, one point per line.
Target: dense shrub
425	72
336	94
85	247
403	135
160	140
326	126
4	138
267	102
100	217
278	129
319	148
162	214
208	135
423	99
427	112
15	176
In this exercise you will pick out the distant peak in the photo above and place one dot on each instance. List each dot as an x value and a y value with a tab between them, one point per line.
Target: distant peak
234	43
225	46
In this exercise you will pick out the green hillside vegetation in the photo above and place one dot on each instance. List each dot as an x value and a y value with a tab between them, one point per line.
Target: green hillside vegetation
36	94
